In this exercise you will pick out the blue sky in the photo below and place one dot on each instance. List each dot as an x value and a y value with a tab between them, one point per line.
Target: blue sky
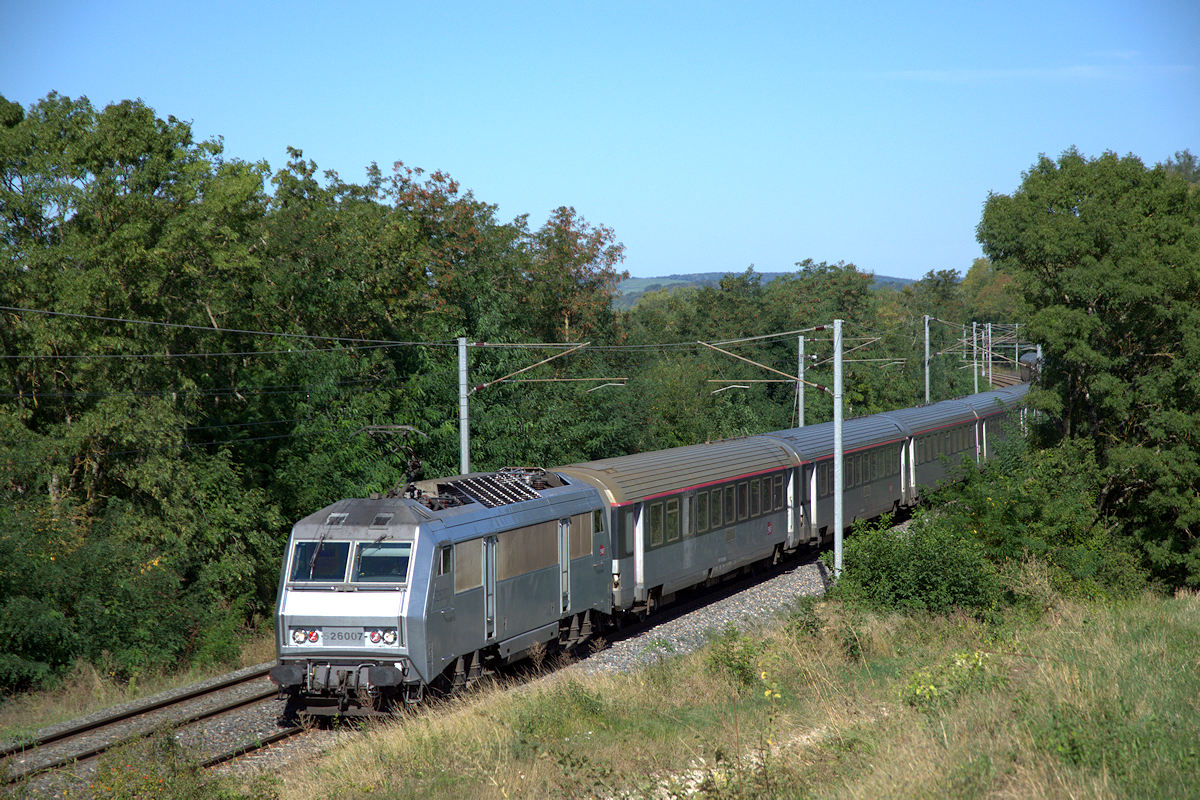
709	136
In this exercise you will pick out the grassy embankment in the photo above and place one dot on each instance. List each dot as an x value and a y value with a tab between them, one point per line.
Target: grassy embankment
1086	699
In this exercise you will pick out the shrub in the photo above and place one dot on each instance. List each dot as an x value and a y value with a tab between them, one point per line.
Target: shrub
734	656
803	621
925	567
930	688
1044	504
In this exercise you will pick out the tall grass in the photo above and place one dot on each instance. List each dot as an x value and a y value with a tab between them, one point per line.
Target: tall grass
1093	699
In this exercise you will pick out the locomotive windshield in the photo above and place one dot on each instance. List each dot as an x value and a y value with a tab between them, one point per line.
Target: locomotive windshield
320	561
382	562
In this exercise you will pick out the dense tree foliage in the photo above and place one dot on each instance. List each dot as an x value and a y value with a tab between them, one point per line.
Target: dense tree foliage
228	341
1107	255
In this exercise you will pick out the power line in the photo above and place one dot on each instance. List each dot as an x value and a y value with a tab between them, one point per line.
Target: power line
47	357
189	428
214	329
218	392
165	448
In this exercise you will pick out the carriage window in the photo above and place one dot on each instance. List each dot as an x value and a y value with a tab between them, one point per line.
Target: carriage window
656	524
780	502
743	500
714	509
320	561
730	504
386	562
672	520
755	498
702	512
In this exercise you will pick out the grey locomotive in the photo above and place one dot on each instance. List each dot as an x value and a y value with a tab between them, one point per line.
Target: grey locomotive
383	599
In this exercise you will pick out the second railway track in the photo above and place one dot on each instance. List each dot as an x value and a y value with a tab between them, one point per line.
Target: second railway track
72	743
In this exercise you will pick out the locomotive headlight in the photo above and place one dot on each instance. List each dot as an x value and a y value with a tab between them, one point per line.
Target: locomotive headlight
313	636
298	636
376	637
389	637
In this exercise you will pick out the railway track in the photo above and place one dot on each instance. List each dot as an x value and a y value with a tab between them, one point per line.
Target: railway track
75	746
80	742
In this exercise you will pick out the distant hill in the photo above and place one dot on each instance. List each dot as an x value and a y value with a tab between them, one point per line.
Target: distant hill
629	291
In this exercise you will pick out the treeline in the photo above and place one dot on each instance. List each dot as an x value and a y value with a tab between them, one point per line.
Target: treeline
156	443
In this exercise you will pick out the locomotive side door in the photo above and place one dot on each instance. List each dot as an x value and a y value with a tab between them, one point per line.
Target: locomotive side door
489	588
564	562
439	620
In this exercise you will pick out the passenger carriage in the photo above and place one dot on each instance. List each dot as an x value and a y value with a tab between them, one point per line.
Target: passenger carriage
688	515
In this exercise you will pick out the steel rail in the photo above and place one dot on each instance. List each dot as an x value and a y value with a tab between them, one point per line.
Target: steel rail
132	713
251	747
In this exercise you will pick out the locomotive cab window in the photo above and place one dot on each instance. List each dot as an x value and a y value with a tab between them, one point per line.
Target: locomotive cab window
320	561
386	562
445	561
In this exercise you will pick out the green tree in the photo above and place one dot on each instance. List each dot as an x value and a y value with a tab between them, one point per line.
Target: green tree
1185	165
573	275
1107	254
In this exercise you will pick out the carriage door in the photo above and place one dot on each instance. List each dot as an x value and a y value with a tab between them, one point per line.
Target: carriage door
489	588
564	561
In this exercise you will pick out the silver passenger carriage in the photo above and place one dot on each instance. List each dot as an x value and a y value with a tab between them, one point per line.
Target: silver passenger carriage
691	514
872	477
